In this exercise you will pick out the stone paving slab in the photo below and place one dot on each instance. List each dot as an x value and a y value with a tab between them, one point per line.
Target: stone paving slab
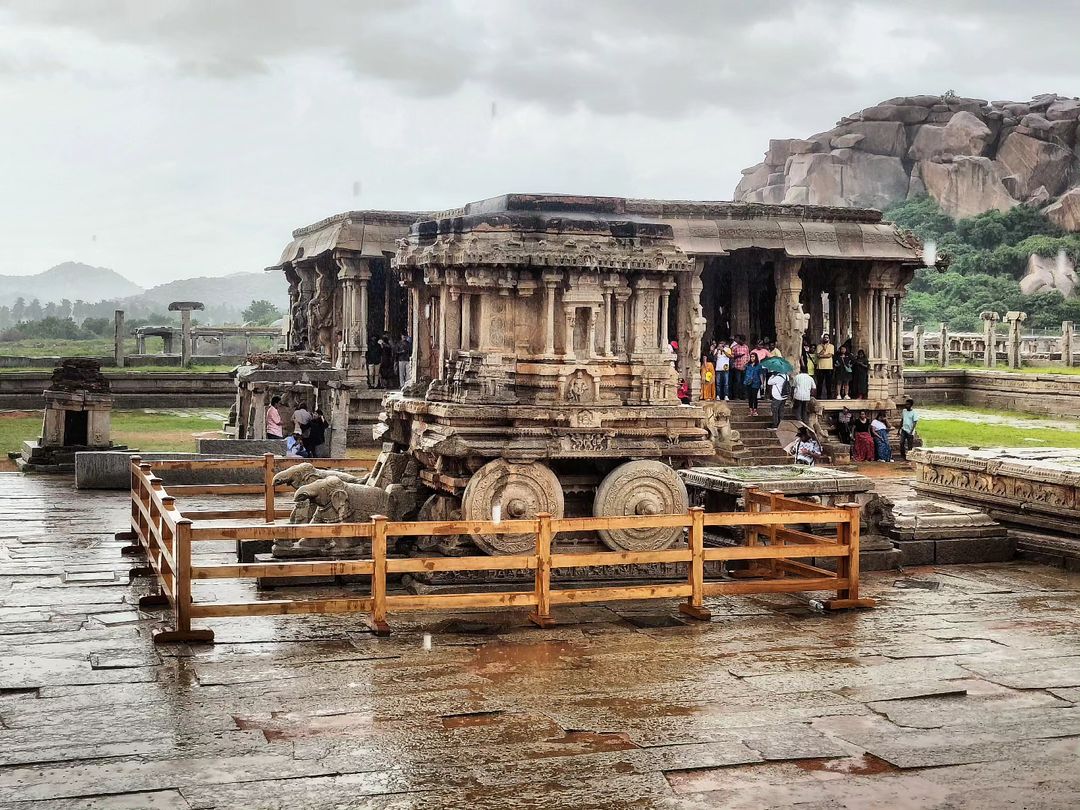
962	689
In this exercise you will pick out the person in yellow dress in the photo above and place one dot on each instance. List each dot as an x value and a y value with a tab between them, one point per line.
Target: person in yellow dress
708	378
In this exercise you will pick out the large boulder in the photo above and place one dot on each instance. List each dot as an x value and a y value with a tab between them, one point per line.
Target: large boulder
967	186
965	134
880	137
1065	213
1049	274
870	181
1035	163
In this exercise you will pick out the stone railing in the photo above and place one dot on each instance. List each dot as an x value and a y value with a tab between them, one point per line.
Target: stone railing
1050	394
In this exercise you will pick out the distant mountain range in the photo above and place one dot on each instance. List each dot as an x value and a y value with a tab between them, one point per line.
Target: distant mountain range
76	281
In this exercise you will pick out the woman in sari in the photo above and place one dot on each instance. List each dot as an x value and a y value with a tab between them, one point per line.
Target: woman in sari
864	441
880	429
708	378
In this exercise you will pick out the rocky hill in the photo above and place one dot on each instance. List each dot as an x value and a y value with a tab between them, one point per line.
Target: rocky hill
970	155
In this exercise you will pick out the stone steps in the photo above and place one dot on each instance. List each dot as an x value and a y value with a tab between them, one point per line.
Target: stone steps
1060	552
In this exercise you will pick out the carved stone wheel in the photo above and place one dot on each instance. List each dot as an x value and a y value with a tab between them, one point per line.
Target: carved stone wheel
640	488
521	492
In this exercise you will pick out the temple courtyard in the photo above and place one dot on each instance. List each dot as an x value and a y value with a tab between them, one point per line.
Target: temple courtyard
959	690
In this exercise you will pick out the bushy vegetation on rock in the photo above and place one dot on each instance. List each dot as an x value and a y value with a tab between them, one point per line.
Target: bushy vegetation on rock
988	256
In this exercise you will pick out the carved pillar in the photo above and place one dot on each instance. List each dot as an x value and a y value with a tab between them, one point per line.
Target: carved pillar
1015	320
664	343
622	296
898	333
1067	342
989	320
842	329
186	340
550	281
643	326
305	325
791	320
466	321
690	326
570	326
740	301
590	334
883	327
607	323
441	351
943	348
918	350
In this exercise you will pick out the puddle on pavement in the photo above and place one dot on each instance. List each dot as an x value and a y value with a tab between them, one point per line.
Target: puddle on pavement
864	765
499	662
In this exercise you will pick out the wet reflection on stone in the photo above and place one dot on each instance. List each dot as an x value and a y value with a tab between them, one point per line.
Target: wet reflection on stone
961	690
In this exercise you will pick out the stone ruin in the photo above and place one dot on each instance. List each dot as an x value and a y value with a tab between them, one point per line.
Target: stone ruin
78	410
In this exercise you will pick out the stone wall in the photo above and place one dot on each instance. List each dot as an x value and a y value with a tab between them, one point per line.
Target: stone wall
23	390
1049	394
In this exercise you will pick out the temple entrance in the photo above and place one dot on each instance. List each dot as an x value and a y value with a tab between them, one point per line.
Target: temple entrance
75	428
738	296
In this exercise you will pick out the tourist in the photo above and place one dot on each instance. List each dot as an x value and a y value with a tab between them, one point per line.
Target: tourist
843	425
403	352
740	356
751	382
777	386
803	389
806	450
683	391
316	435
722	364
823	362
880	428
863	449
842	373
374	353
908	420
273	420
708	378
301	417
294	446
806	357
774	350
860	376
386	361
760	352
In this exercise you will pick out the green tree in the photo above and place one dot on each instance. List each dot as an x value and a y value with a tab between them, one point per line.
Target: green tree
261	313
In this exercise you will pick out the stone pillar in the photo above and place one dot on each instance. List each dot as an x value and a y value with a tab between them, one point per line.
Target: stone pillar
466	321
621	297
570	326
918	350
1015	320
441	348
607	323
842	329
118	338
943	349
421	331
791	319
339	420
258	402
664	342
304	326
883	327
140	344
898	333
247	343
690	325
989	320
550	282
186	340
1067	342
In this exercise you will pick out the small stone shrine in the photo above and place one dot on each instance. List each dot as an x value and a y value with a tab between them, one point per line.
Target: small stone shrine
78	411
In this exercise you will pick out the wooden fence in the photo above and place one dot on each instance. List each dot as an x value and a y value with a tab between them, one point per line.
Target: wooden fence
779	555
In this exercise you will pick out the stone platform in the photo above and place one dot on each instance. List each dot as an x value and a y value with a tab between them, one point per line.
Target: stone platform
960	690
1022	488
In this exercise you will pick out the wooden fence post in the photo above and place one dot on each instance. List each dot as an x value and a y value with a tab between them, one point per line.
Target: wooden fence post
134	545
378	576
694	605
268	486
541	615
774	570
182	630
848	567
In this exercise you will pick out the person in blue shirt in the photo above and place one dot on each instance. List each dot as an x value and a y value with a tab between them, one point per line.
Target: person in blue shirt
908	420
752	382
294	446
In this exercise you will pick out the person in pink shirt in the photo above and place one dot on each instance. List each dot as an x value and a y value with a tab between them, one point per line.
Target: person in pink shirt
273	420
740	355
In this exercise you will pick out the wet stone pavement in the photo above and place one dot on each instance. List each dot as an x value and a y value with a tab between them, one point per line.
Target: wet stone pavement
959	691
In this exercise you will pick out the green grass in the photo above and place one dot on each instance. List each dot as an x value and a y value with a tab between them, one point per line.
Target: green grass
957	433
979	367
43	347
173	430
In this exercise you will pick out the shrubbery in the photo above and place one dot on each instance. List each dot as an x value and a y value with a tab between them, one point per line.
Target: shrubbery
988	255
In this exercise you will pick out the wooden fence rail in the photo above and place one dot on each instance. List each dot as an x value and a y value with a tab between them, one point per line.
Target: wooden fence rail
780	557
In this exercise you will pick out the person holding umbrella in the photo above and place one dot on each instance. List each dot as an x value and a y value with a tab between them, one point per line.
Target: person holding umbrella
752	383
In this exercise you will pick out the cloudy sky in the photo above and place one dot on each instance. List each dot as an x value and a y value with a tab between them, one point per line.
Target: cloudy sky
173	138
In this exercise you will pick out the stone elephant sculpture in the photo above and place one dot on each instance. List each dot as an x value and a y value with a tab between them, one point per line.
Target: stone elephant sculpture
332	500
302	474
